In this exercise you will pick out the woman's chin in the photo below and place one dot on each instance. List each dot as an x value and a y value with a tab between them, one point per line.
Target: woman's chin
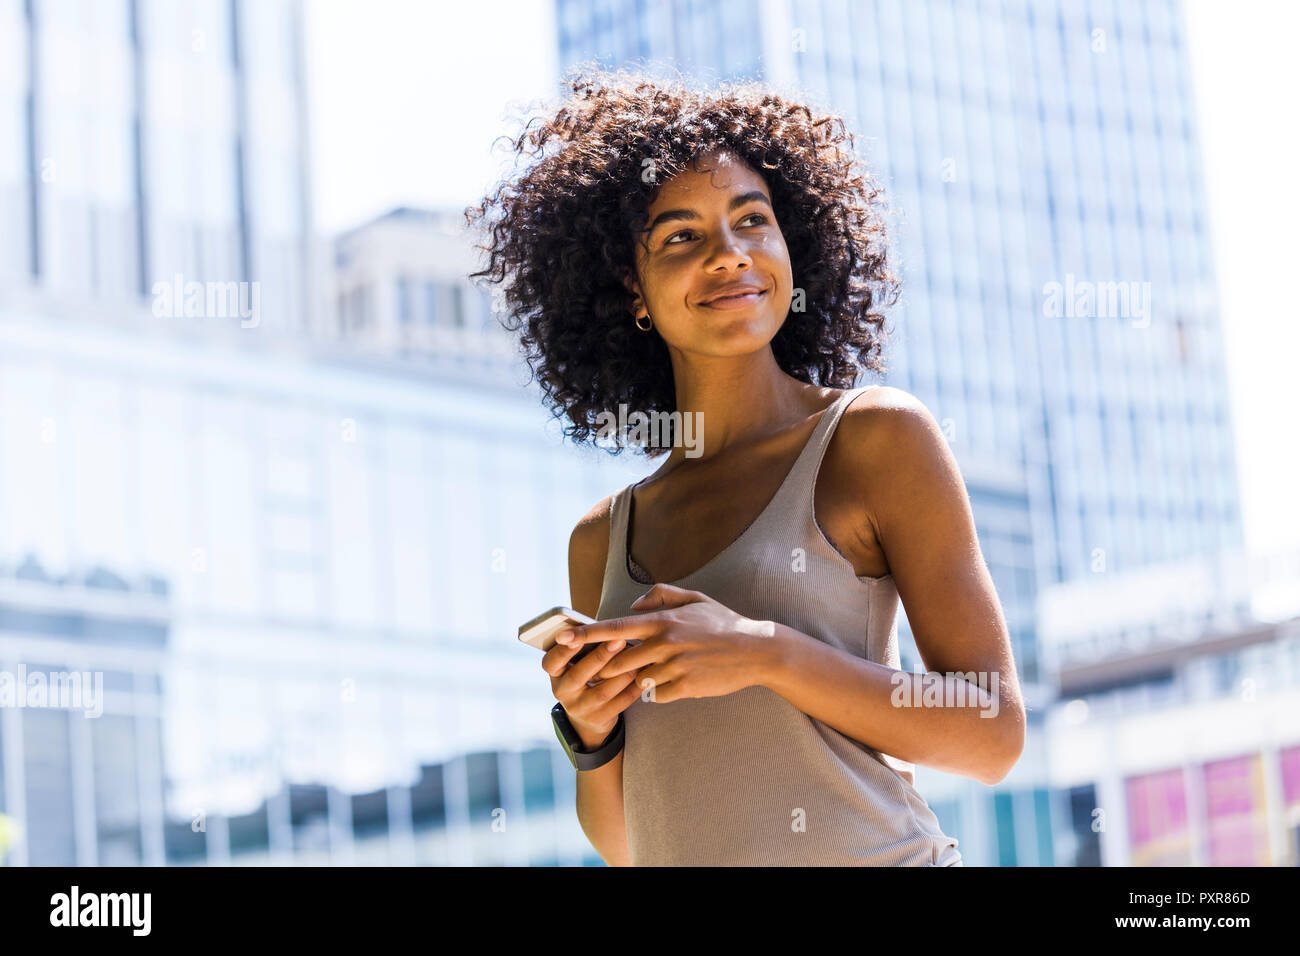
736	337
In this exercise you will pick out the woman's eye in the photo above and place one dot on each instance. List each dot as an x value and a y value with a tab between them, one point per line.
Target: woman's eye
686	232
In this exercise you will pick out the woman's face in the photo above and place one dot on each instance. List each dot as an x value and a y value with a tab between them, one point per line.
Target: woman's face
712	227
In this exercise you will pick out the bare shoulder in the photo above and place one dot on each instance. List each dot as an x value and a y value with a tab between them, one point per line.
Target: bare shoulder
889	418
886	398
588	552
888	454
896	459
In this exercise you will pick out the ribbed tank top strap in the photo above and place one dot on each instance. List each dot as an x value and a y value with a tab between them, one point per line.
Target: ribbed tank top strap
616	560
793	510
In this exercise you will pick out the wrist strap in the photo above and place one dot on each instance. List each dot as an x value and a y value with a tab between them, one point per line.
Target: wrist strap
582	759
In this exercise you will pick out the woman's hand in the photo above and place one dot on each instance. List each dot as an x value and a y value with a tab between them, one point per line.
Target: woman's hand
593	705
690	646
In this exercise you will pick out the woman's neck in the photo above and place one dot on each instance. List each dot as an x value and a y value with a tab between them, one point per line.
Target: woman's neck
738	402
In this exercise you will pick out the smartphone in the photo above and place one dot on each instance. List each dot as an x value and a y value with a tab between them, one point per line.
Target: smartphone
540	632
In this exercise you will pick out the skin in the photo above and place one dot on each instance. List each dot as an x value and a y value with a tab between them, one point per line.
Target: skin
889	497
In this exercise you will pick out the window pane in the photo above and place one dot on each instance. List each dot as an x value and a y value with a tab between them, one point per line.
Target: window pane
47	747
117	803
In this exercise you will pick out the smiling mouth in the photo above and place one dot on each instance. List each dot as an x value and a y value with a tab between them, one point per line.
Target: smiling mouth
743	298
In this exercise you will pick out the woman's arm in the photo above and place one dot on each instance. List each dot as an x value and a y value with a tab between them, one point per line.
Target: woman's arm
919	512
600	791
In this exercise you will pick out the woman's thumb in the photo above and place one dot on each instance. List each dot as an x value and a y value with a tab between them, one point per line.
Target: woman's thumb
664	595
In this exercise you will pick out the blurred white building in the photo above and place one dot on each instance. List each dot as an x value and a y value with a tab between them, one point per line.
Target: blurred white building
301	578
399	289
1176	737
295	553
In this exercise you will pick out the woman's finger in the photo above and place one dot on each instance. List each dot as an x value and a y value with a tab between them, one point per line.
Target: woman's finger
607	690
663	596
638	627
632	659
581	673
590	703
657	675
620	701
559	657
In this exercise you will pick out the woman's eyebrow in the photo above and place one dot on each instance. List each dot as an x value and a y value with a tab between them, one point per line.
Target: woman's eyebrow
686	215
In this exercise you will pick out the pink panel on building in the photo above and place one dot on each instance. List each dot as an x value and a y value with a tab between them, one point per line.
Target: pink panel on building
1157	816
1235	812
1290	758
1236	821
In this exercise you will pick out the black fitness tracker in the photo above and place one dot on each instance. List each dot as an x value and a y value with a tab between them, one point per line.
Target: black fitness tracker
581	758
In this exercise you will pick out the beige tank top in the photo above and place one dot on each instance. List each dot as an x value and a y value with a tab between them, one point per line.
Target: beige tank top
748	779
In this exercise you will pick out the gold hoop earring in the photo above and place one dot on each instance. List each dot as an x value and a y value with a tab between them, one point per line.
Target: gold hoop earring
645	328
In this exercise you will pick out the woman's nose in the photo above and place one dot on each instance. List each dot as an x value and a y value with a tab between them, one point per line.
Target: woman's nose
728	248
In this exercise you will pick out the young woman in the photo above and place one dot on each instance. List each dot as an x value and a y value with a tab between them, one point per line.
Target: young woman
721	255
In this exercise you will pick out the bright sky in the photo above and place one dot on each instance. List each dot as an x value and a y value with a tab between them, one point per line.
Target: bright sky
1246	74
407	98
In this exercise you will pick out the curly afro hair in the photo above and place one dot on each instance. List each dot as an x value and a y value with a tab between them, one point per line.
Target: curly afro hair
563	235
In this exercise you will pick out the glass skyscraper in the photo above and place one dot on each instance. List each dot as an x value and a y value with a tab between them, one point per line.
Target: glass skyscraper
145	139
1058	315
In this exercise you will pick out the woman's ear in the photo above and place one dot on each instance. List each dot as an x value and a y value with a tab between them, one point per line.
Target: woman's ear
630	284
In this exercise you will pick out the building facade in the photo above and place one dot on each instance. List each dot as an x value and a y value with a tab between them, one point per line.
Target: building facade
1059	315
399	290
148	139
288	558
